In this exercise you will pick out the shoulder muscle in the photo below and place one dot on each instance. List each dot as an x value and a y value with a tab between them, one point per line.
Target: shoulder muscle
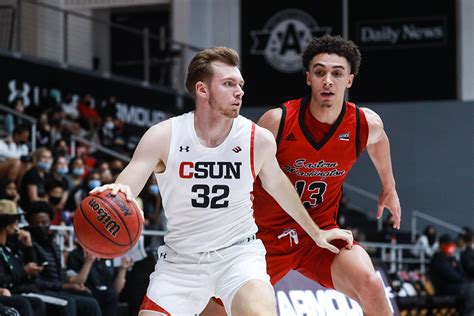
375	126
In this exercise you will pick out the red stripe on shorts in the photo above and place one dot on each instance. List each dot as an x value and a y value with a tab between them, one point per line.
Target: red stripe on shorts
252	141
149	305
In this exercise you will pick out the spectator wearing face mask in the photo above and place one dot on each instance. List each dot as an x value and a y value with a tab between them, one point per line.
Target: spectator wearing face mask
33	183
52	278
57	177
16	266
91	181
150	202
76	173
448	276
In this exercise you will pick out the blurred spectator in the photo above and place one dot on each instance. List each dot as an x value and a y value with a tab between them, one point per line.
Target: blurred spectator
10	120
79	193
55	194
88	116
99	275
427	242
15	251
104	170
116	166
52	278
69	107
14	153
448	276
8	190
33	183
108	108
43	133
60	148
107	131
76	173
57	177
150	203
467	255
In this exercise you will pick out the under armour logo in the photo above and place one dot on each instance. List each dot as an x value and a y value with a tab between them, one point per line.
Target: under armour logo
163	255
15	93
236	149
186	148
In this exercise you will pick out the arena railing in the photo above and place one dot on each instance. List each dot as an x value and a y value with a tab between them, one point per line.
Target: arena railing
160	59
25	117
77	139
415	214
391	254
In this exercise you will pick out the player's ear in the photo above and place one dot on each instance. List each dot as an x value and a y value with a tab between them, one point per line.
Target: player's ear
201	89
349	82
308	78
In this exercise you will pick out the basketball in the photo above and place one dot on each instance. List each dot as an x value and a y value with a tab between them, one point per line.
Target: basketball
107	226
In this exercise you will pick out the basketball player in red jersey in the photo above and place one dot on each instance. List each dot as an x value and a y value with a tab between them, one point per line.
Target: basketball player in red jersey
319	140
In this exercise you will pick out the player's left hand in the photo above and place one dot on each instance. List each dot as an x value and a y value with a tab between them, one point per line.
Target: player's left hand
389	199
324	238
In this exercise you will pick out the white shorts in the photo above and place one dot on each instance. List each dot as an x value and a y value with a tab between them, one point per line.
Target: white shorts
182	284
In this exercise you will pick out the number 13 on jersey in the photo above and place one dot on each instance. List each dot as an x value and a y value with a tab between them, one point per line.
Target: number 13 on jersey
316	190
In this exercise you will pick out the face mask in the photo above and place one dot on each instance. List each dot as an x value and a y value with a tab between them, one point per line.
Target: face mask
43	165
62	171
109	125
154	189
78	171
39	233
54	200
92	184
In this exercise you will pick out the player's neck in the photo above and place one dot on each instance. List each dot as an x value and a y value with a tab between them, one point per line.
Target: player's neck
326	113
211	130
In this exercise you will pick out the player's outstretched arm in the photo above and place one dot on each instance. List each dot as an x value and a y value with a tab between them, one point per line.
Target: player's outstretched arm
378	148
150	153
277	184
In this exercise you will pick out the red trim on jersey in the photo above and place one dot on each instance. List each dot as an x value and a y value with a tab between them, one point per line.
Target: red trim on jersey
149	305
252	141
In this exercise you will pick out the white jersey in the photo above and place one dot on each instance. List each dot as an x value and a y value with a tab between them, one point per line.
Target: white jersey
206	191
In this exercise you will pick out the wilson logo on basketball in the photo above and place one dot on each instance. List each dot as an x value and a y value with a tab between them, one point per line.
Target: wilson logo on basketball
102	216
121	204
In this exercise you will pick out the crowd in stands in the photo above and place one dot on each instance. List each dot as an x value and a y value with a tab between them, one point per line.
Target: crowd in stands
44	187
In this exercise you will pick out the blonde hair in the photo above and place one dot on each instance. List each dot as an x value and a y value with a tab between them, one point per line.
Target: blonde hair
200	68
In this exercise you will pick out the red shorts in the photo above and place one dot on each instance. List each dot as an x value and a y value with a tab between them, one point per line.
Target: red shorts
305	257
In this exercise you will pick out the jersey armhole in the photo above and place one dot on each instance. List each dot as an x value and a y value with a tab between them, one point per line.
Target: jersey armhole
357	142
252	151
282	123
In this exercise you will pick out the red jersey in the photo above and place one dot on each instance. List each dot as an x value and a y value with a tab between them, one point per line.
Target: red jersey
317	169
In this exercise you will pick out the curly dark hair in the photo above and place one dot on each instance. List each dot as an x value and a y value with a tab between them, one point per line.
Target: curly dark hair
330	44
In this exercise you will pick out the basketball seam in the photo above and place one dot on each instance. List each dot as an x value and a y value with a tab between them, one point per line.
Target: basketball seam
106	237
139	232
119	216
106	254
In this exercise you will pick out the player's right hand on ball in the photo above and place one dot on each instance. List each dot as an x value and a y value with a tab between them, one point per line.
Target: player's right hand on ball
326	236
115	187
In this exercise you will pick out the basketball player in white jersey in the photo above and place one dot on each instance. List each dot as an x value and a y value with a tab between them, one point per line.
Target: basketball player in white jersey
205	163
